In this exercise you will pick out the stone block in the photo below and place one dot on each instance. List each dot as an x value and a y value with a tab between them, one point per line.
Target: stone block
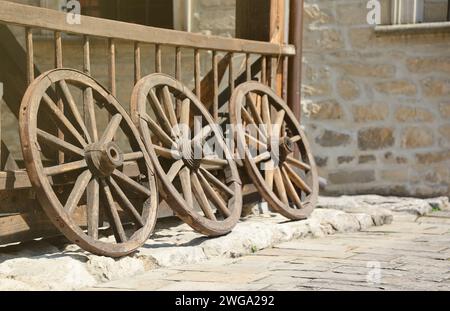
372	112
445	132
413	114
436	87
428	64
327	110
375	138
352	177
364	70
333	139
347	89
444	109
397	87
433	157
364	159
417	137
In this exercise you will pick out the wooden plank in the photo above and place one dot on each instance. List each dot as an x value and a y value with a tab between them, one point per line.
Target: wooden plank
30	16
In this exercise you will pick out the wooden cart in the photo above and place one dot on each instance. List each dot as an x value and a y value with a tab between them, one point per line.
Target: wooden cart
97	171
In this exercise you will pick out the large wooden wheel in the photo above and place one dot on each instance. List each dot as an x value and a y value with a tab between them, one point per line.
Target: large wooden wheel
203	189
276	152
87	163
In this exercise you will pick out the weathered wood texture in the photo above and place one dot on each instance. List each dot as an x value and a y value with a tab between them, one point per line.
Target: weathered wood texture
29	16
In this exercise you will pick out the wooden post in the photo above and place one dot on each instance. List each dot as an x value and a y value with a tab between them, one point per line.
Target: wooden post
295	63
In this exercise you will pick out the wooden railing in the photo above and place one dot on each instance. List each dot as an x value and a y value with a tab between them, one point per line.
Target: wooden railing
269	56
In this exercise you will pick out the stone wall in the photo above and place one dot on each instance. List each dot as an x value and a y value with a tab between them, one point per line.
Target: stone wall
376	108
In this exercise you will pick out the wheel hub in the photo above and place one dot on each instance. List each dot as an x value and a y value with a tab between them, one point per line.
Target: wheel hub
190	153
285	147
103	159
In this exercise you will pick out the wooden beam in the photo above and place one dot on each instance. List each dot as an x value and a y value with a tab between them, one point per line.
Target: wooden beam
35	17
295	63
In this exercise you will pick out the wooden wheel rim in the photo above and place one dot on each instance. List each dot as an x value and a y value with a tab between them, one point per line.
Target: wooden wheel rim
40	181
176	201
238	101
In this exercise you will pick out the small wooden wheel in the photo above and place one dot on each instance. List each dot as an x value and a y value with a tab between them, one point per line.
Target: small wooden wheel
86	161
203	189
276	152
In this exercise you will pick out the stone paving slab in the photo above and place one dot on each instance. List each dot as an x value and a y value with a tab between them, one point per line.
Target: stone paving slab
393	260
308	254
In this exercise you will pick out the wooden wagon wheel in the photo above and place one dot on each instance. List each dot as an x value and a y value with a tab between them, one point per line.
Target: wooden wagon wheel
98	166
203	190
275	149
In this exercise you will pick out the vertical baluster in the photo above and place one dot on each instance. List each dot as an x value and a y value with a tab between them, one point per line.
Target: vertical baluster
137	62
30	55
59	64
88	97
158	61
215	64
264	70
178	74
58	50
197	74
178	63
112	67
231	74
284	82
248	67
273	73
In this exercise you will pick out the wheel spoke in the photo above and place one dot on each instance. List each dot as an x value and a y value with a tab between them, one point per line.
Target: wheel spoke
204	133
131	183
93	208
159	112
59	144
215	197
248	118
292	193
65	168
133	156
251	104
158	131
62	121
89	113
266	114
185	178
297	163
185	112
174	169
295	139
298	181
279	123
201	198
126	202
111	129
166	153
77	191
214	163
119	231
74	109
269	174
216	182
256	141
279	184
169	106
262	157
